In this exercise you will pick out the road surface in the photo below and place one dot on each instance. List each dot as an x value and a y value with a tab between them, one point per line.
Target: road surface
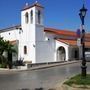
46	78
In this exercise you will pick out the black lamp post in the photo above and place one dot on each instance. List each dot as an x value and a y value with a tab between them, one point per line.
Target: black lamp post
82	15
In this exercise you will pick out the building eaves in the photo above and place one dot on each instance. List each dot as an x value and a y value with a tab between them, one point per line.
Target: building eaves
30	6
10	28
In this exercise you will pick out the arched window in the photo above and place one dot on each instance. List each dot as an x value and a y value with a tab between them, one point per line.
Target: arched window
26	17
25	49
31	16
39	16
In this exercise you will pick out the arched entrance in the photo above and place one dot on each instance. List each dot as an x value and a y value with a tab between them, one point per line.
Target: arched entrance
61	55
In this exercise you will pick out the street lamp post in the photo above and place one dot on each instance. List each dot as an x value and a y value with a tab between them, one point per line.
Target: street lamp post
82	15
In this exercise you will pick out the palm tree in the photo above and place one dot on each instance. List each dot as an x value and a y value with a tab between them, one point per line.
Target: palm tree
3	60
5	46
9	49
2	46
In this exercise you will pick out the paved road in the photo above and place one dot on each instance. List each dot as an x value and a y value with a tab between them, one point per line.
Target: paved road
38	78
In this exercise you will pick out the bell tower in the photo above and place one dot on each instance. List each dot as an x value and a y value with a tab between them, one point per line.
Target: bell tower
33	31
32	14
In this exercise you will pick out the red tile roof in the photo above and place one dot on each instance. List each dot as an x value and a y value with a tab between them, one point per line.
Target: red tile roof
60	32
88	35
69	42
72	42
63	32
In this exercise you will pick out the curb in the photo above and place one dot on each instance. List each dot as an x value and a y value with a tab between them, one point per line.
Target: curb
53	65
67	87
38	67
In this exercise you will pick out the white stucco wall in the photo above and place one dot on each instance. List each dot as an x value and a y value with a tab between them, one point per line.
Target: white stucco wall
10	35
45	51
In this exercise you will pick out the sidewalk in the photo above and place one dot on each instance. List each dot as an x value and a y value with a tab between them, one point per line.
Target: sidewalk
61	86
53	65
2	70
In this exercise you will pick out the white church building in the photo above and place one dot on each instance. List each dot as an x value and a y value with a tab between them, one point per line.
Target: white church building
36	43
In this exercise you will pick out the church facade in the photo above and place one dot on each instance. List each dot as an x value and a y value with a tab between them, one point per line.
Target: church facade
36	43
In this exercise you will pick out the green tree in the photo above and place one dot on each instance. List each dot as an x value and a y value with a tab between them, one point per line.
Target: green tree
9	49
3	60
5	46
2	46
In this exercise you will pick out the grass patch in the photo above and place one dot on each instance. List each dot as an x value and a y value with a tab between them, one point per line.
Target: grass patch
78	80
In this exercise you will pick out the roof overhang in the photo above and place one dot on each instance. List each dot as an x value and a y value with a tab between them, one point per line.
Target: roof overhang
72	42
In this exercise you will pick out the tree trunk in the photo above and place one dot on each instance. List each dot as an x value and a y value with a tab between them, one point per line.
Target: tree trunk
10	60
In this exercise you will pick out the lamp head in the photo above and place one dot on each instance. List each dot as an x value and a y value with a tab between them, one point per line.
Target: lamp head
83	11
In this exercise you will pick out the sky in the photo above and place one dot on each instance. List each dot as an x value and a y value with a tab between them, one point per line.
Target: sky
60	14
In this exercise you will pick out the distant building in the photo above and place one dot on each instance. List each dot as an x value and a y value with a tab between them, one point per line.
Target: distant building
36	43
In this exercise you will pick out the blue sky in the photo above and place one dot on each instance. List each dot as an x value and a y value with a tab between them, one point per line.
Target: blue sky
61	14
